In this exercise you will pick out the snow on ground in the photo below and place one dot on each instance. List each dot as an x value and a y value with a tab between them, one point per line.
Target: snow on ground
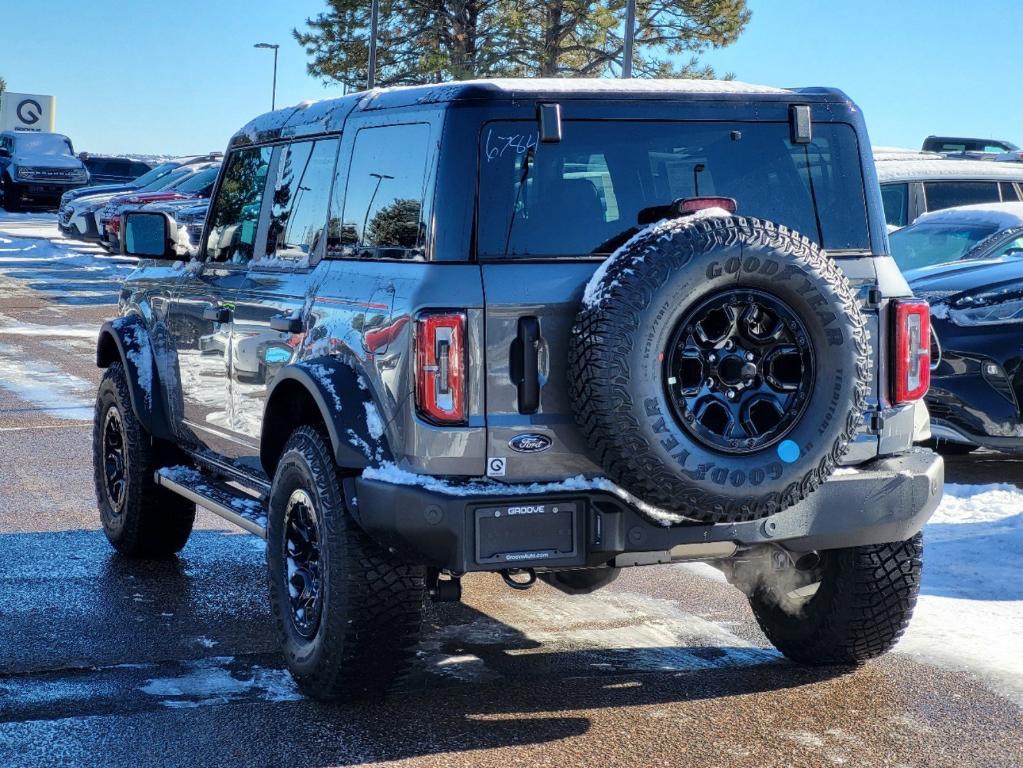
970	612
36	259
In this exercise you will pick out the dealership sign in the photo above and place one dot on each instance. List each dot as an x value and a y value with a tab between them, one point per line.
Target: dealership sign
27	112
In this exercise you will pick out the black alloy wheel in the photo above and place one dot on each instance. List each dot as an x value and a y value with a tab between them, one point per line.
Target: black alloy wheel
115	475
739	370
302	559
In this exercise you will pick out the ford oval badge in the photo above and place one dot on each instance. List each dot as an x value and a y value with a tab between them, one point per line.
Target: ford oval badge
530	442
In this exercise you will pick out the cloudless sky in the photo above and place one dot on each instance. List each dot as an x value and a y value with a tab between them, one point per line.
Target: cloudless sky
180	76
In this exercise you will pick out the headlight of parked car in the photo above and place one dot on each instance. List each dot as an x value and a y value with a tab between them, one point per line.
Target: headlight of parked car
999	308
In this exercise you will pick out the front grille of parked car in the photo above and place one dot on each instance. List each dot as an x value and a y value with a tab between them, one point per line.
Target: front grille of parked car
64	215
50	174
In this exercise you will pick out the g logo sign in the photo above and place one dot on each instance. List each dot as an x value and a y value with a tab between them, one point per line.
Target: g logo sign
495	467
29	111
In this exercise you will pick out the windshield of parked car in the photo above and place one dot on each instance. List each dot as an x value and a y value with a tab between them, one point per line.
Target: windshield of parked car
44	144
198	183
922	245
169	180
583	195
156	173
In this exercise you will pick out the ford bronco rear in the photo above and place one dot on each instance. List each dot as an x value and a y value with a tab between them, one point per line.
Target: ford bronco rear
549	329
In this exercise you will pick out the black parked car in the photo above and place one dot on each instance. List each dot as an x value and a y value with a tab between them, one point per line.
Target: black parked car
113	170
976	298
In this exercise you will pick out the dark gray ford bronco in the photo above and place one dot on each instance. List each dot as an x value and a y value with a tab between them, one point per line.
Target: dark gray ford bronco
550	329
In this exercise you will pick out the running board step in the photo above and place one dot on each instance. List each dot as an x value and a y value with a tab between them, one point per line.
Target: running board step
221	499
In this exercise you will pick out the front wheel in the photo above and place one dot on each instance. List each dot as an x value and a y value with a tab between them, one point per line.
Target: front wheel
347	613
139	518
852	606
12	197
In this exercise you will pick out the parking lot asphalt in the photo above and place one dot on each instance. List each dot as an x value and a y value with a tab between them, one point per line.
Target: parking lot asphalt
106	661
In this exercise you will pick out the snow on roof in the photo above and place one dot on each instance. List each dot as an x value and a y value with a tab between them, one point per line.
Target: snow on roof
929	166
1001	215
635	85
885	154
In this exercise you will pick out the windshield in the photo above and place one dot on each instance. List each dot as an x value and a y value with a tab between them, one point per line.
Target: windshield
44	144
156	173
604	173
200	182
922	245
169	180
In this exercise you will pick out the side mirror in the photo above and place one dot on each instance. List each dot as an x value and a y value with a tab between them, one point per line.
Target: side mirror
4	152
149	236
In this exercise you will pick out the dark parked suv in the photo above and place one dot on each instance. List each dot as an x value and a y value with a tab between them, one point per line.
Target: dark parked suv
37	168
549	329
113	170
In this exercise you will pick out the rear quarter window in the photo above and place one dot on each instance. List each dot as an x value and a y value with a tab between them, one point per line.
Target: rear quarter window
949	194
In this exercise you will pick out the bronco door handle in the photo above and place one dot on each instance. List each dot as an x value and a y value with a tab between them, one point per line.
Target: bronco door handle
217	314
286	323
525	364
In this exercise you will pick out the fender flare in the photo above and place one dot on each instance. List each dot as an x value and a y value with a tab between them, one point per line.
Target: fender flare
126	340
333	391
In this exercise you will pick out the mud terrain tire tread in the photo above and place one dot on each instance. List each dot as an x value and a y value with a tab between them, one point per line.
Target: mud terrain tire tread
860	611
373	604
156	522
599	376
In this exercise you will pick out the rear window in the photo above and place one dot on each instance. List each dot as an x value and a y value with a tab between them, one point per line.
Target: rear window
583	196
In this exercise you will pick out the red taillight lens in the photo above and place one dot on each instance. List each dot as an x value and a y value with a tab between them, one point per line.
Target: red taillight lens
694	204
440	367
912	350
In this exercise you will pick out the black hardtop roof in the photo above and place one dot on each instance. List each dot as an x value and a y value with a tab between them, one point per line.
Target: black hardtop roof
314	117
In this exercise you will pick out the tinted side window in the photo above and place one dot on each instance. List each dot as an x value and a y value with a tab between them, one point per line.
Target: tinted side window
301	193
896	204
948	194
137	169
234	215
1009	191
386	191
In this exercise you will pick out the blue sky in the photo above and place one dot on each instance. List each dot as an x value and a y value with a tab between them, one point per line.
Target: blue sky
182	76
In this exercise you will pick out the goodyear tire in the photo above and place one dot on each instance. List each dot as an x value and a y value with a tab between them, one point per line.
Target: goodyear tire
863	602
719	367
140	519
346	611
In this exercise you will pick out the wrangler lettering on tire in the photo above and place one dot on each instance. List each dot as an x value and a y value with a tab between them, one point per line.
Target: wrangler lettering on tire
720	368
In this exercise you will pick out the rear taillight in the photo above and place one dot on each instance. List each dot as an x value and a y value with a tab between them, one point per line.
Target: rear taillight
912	366
440	367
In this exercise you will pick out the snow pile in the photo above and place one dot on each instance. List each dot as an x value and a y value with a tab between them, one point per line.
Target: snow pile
970	612
596	289
928	167
219	680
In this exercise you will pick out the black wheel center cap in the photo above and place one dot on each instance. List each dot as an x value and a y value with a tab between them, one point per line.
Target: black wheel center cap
736	370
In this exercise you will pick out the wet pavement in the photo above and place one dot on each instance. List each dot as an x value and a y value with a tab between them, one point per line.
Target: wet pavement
106	661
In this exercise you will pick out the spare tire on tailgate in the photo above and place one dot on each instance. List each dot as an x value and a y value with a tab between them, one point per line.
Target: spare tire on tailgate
719	366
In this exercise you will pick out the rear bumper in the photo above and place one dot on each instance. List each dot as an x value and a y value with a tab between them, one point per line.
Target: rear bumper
887	500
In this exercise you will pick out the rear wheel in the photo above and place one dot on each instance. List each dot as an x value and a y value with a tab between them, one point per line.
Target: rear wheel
852	606
347	612
139	518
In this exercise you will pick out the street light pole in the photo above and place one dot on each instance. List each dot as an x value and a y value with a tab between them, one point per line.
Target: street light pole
273	93
630	37
371	70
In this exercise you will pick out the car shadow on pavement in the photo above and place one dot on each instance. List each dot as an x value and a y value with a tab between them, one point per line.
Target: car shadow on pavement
177	643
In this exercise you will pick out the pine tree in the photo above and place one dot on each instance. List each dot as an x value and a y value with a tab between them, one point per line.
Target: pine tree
435	40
